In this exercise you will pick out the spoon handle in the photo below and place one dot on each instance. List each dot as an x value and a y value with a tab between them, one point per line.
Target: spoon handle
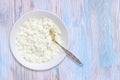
70	55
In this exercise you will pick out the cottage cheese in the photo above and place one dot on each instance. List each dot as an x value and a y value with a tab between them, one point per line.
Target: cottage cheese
34	42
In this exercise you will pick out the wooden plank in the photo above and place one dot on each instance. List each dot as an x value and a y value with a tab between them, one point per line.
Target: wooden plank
12	70
69	16
94	37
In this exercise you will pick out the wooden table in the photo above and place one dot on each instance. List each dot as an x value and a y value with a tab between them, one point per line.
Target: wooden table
94	31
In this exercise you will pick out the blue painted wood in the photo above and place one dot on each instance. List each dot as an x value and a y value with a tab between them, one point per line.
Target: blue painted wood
94	33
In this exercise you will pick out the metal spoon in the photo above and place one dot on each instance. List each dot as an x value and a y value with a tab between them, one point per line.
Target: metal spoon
69	54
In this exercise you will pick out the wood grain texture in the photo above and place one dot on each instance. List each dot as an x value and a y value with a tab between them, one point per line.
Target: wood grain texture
94	34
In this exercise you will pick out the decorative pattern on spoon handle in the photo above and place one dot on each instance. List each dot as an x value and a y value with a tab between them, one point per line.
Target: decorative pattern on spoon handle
71	55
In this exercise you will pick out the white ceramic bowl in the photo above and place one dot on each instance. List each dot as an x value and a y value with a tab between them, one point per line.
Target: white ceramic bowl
38	14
